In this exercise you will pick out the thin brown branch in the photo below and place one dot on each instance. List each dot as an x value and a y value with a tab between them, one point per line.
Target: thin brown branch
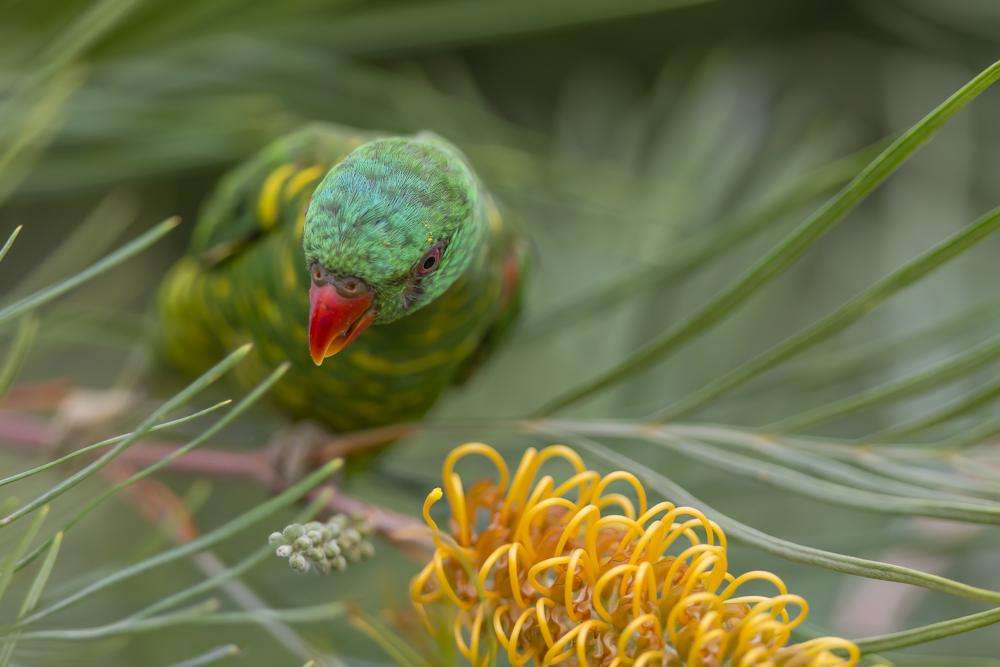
37	396
36	436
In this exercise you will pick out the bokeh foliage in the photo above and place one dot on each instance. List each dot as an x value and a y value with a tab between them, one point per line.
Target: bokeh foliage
656	150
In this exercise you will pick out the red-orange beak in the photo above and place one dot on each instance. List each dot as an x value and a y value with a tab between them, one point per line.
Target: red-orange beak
334	320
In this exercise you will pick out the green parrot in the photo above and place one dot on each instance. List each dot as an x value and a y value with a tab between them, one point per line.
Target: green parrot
384	251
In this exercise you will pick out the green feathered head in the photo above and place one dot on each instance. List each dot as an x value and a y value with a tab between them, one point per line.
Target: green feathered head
388	230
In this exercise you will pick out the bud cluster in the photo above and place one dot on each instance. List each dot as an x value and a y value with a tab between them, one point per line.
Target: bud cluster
325	546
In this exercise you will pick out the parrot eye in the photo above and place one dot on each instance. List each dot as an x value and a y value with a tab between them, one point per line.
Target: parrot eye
429	262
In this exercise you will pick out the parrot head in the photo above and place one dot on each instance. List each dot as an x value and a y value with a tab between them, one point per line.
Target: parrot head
388	230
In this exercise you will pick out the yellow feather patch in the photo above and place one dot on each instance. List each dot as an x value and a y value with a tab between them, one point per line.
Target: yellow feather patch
381	366
301	180
290	281
267	206
493	215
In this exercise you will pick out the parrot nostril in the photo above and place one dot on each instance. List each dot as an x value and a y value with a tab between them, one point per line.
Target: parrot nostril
351	287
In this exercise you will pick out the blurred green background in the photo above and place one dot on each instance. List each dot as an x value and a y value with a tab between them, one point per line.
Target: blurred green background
630	136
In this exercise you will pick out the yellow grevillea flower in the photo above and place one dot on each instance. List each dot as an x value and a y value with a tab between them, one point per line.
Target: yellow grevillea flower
559	580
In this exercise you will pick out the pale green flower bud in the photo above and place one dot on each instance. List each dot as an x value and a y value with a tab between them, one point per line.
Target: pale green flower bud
299	563
293	531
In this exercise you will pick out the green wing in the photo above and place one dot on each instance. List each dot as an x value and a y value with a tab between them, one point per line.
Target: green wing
514	262
254	199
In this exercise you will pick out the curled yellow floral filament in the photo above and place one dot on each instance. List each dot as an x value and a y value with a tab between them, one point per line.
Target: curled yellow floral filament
558	578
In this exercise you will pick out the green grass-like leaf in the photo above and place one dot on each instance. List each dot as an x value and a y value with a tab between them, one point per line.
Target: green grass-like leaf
180	399
898	640
843	317
237	410
84	245
787	251
238	570
114	259
214	655
829	560
694	253
19	548
388	640
245	520
201	615
973	435
837	494
824	466
35	592
824	459
110	441
980	397
18	352
10	241
916	383
904	465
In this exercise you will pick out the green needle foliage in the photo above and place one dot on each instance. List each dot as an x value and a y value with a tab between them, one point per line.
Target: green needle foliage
239	408
694	253
844	316
18	352
10	242
247	519
898	640
859	567
791	248
180	399
18	308
972	360
665	156
7	575
212	656
110	441
31	599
